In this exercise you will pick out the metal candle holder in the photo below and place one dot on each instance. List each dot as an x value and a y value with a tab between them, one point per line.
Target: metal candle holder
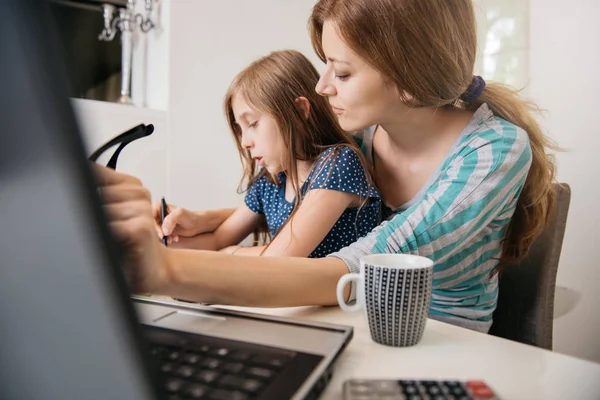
126	22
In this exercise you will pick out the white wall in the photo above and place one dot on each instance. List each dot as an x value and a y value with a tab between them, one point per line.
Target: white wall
565	80
150	63
145	158
210	43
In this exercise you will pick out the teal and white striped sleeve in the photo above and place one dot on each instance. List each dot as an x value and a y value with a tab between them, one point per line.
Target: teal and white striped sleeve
461	219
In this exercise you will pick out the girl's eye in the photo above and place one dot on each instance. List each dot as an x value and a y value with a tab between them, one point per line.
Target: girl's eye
342	77
253	125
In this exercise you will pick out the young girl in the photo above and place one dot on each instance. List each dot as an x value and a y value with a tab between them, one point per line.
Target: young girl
305	177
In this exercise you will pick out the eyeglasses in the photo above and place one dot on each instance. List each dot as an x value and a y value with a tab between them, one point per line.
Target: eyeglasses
122	140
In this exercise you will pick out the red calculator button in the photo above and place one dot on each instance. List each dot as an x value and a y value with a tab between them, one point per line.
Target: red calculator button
483	393
476	384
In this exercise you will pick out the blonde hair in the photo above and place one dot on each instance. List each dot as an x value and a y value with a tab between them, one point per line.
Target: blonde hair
272	84
427	49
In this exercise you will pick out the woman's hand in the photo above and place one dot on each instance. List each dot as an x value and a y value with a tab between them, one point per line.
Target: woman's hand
128	209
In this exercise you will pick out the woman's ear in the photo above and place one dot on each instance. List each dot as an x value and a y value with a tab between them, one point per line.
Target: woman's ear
303	105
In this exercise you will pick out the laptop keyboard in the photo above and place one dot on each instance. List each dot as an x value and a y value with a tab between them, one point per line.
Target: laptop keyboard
203	367
192	372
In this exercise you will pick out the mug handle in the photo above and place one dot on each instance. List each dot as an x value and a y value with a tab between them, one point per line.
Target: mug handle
340	292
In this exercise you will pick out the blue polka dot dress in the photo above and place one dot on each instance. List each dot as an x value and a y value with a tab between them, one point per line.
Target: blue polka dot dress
334	170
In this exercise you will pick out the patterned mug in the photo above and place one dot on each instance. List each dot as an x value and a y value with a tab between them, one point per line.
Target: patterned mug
395	292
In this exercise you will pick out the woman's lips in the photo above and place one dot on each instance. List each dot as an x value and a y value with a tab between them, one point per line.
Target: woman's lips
337	110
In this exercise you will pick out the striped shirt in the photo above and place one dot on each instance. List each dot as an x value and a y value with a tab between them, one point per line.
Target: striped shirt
458	219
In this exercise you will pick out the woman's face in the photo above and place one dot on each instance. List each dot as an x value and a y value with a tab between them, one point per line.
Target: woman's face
357	93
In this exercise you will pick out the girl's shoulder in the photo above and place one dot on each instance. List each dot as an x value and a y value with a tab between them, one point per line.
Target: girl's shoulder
263	183
340	156
341	168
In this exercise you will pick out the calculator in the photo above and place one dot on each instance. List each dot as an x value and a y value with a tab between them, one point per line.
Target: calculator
391	389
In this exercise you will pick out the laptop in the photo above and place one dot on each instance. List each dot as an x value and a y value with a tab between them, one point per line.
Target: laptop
69	328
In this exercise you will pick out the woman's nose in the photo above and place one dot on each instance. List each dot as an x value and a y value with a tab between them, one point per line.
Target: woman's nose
324	87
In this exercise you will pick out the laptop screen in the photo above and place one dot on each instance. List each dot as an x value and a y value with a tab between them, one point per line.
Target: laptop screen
68	330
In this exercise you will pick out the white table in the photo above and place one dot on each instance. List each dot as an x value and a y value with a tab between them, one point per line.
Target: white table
513	370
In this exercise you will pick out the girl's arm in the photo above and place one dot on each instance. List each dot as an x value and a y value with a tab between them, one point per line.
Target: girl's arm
185	223
210	220
339	181
231	231
234	227
301	234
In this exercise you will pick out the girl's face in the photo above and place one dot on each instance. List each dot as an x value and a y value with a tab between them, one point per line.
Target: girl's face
260	136
357	93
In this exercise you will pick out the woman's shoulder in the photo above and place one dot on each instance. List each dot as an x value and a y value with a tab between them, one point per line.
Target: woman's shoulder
490	134
363	134
364	140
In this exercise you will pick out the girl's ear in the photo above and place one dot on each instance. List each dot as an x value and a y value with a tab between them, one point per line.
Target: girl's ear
303	105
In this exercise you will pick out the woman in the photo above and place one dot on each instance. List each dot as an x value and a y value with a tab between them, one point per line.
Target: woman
461	166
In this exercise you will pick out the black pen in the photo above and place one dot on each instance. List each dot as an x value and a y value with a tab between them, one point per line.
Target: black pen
163	215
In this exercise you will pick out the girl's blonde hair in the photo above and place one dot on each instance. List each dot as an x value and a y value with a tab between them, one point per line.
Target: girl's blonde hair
427	49
272	84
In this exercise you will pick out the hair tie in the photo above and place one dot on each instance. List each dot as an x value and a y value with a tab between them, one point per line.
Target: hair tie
474	90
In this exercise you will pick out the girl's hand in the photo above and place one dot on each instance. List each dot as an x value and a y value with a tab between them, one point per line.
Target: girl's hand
178	222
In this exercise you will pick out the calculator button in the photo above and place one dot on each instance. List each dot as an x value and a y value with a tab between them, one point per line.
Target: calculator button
483	392
410	390
457	391
361	389
386	387
434	390
475	384
361	397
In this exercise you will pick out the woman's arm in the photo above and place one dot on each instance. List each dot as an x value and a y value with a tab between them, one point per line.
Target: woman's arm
203	275
219	278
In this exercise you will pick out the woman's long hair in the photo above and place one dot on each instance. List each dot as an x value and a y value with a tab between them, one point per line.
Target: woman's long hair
427	48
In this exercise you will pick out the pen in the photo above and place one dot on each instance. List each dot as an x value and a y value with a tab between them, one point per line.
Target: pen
163	215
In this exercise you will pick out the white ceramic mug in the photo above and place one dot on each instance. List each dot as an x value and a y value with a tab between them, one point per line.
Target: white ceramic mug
395	292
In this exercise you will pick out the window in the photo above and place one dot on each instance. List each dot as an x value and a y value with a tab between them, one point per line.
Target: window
503	35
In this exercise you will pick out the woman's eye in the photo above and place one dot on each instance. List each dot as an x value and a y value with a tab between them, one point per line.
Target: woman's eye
342	77
253	125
